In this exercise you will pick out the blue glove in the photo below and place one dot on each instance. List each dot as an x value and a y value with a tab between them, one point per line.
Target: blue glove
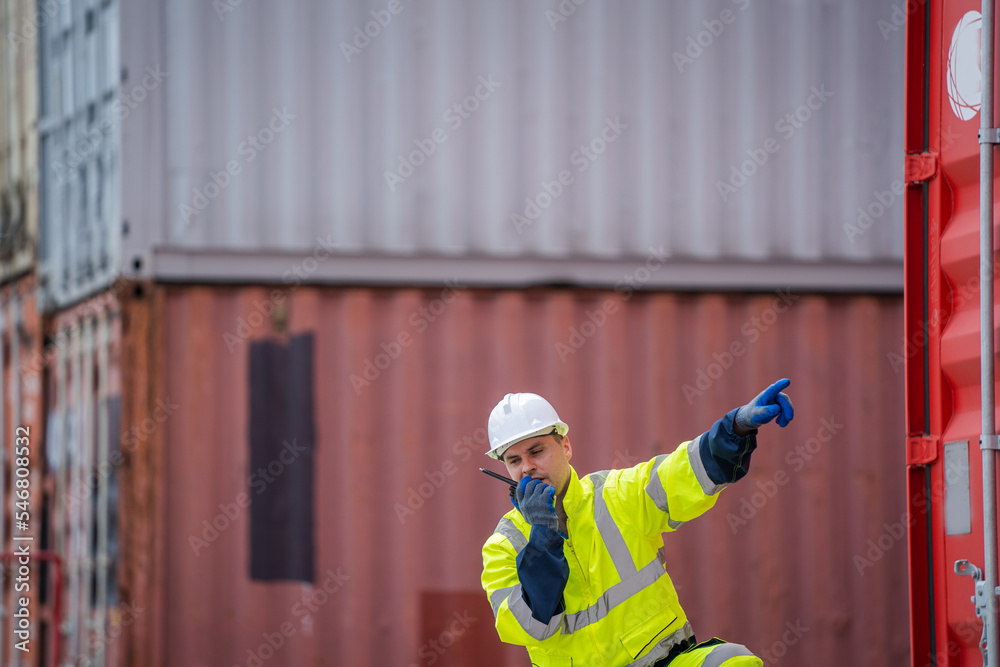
769	404
535	500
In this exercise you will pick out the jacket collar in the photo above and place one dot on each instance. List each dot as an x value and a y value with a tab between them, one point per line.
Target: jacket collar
574	493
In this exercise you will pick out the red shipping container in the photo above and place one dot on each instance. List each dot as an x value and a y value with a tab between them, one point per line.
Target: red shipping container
943	405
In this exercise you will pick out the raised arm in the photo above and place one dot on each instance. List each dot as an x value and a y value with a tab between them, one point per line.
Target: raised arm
677	487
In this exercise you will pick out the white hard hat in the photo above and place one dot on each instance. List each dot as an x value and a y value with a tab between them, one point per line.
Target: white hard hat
520	416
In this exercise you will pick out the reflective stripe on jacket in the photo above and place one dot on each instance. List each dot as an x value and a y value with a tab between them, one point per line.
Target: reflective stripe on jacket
620	605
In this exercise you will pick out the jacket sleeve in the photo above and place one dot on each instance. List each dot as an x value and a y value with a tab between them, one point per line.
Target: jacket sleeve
725	455
524	579
661	494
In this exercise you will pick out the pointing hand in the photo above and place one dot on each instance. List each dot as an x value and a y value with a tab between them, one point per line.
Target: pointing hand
770	403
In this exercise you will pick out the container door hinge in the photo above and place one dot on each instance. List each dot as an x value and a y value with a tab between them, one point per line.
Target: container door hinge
918	167
964	568
921	450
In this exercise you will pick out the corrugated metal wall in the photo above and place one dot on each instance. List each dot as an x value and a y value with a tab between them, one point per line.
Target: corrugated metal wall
18	138
60	398
85	450
254	147
263	127
943	291
82	107
24	525
802	561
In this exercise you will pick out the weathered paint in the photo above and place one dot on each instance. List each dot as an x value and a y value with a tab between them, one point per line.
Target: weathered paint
18	138
822	506
761	157
943	392
22	416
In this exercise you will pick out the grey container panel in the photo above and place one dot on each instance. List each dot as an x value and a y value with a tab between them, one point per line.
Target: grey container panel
79	132
657	184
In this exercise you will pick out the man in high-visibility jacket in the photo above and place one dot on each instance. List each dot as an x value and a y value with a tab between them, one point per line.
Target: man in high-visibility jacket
575	572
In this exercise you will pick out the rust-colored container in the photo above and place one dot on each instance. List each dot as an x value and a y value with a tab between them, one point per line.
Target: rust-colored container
22	528
311	494
85	456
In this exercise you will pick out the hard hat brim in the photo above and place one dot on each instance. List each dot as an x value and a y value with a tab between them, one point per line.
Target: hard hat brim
560	427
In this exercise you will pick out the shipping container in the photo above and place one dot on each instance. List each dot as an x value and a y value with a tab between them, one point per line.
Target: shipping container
496	143
18	139
81	110
60	395
85	450
24	490
307	490
243	467
942	297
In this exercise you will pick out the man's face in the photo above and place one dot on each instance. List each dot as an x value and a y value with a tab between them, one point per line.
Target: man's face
542	457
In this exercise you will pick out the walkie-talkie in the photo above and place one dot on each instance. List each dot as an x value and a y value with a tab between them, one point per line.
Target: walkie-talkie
508	480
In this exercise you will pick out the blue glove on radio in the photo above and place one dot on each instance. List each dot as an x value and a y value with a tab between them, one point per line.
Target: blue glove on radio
770	403
535	500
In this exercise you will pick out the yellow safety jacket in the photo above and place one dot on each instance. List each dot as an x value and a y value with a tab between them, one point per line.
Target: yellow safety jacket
620	605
